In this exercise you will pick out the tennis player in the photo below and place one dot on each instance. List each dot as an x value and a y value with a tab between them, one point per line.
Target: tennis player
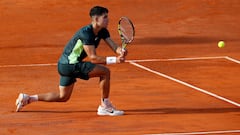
71	64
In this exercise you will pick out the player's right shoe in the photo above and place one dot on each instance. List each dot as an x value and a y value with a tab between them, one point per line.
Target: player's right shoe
108	109
22	100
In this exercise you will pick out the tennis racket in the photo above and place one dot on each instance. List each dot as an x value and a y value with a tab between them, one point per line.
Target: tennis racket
126	31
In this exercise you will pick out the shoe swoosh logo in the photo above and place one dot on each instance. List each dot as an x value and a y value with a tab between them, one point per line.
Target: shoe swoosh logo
111	111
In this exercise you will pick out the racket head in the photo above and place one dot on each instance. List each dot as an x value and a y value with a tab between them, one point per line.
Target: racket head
126	31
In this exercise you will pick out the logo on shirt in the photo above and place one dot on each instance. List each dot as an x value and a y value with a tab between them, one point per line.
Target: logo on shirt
96	38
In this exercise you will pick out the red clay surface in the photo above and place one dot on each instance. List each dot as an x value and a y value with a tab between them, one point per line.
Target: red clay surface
35	32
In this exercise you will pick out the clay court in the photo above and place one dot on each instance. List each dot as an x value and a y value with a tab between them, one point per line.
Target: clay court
176	80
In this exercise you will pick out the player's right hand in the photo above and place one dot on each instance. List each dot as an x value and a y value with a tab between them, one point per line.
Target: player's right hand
120	59
124	52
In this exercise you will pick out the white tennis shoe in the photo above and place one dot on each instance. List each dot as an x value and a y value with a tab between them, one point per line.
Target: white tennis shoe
108	109
22	100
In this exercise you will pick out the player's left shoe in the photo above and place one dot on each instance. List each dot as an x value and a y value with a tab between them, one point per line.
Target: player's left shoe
22	100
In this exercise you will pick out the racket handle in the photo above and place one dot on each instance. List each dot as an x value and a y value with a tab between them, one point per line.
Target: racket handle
124	46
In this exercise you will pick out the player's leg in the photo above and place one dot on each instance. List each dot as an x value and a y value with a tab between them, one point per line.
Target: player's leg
106	108
62	96
104	74
65	91
67	81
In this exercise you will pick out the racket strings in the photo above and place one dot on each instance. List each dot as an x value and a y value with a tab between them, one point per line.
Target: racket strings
127	31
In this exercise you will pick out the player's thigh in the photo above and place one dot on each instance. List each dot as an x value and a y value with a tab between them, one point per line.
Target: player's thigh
66	91
98	71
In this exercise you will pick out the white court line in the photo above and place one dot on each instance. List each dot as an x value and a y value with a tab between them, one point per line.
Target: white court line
178	59
200	133
186	84
233	60
145	60
29	65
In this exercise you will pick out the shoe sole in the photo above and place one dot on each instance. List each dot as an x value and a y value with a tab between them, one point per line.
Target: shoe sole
109	114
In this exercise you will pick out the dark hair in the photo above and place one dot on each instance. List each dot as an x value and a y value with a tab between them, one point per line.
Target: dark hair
98	10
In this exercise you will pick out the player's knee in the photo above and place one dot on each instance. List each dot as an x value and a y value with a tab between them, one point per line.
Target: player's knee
100	71
107	71
64	98
65	93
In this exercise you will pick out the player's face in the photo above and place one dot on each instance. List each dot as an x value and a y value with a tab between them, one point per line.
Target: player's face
103	20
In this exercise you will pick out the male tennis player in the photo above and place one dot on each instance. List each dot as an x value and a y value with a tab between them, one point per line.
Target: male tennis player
71	65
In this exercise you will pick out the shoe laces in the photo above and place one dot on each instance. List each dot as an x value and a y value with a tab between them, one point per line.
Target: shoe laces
109	105
26	100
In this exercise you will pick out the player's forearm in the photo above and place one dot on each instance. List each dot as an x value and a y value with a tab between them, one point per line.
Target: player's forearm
117	49
98	59
113	45
107	60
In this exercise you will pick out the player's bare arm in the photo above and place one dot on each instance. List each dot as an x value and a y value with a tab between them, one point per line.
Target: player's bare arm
117	49
91	52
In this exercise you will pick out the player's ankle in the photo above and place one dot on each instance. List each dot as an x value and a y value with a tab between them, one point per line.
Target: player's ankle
33	98
105	101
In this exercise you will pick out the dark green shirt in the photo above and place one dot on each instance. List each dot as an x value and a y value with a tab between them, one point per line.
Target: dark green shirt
74	52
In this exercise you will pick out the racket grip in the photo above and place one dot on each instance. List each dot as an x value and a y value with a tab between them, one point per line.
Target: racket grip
123	52
124	46
123	49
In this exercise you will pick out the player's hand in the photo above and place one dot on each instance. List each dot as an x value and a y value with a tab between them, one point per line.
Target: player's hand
120	59
124	52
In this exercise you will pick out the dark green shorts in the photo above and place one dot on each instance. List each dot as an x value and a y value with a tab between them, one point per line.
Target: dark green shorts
69	72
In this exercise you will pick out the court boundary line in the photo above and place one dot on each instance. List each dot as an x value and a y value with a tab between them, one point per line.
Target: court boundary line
179	59
188	59
29	65
143	60
186	84
200	133
233	60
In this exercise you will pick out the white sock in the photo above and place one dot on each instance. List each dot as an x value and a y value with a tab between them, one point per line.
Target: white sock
105	100
33	98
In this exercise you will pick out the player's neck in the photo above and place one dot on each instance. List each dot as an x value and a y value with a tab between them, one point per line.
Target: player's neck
96	28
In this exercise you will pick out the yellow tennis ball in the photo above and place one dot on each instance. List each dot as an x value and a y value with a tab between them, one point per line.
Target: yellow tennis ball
221	44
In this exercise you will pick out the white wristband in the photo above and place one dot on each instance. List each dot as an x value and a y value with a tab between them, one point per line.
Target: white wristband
111	60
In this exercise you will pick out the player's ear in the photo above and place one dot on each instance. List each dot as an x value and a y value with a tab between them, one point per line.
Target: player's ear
94	18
